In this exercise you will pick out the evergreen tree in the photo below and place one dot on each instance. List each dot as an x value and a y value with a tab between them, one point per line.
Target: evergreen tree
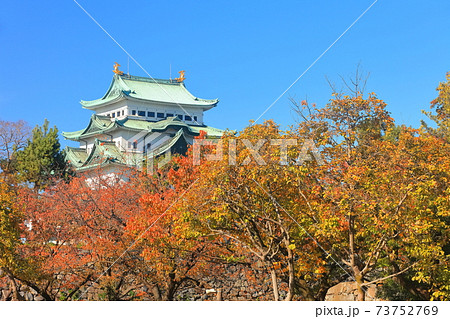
41	160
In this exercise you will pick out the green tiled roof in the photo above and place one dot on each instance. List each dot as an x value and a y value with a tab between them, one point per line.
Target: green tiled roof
97	125
168	145
156	90
76	156
106	153
102	153
102	124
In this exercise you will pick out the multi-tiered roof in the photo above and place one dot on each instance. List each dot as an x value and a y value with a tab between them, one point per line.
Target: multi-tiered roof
138	115
147	90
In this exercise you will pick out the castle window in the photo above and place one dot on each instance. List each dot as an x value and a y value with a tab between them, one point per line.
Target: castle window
160	115
187	118
150	114
133	112
141	113
118	114
113	114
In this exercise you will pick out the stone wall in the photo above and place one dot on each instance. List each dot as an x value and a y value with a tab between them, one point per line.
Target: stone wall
236	283
26	293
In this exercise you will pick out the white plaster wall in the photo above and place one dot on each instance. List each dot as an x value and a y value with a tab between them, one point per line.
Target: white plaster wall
128	106
107	176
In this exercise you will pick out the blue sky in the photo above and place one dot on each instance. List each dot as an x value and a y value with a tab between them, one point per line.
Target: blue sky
246	53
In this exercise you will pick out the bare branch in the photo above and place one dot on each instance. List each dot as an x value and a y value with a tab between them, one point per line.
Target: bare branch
387	277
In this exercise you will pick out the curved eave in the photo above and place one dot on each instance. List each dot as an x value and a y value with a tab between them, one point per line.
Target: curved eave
73	136
106	99
92	105
99	132
185	129
188	129
123	124
95	121
209	103
91	134
210	131
173	122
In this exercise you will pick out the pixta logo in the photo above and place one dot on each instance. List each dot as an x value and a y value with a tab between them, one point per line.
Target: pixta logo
253	147
151	149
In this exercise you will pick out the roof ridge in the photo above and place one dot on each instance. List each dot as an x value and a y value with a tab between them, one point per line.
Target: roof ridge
146	79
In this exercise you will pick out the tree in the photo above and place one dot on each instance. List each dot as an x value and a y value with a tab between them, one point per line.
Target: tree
177	254
14	263
441	105
13	138
248	198
376	208
77	235
41	160
372	199
9	234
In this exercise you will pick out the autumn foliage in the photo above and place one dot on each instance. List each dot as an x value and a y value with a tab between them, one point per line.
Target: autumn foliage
343	195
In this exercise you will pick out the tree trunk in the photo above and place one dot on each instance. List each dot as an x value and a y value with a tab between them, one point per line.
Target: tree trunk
361	296
156	293
219	294
355	269
356	272
304	290
291	273
171	288
322	293
273	275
